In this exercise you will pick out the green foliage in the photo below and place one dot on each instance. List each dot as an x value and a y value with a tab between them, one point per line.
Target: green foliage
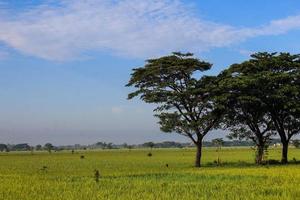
278	77
275	82
184	100
261	97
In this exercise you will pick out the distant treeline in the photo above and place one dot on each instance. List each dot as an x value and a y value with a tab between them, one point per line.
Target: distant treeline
103	145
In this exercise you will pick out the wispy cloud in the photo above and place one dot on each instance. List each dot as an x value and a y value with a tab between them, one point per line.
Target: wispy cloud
132	28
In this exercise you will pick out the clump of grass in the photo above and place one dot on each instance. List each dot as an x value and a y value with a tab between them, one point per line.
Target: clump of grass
44	169
96	175
82	157
218	162
149	154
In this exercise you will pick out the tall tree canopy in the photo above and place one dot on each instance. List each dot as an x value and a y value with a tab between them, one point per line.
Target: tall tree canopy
272	82
246	116
184	100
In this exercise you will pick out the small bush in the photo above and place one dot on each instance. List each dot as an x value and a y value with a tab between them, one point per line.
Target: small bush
218	162
96	175
44	169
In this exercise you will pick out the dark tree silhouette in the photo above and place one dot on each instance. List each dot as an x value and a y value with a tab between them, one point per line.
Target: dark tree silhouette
272	81
48	147
184	99
38	147
246	116
149	144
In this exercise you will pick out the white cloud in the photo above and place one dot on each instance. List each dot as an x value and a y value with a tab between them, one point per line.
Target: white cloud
132	28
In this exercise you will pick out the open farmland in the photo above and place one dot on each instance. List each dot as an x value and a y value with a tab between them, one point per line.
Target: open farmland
132	174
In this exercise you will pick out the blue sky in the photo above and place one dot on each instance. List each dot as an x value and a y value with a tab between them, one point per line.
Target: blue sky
64	63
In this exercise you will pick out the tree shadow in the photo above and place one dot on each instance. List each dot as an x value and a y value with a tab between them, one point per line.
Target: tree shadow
270	162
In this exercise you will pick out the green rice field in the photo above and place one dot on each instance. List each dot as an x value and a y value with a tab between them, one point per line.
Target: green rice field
131	174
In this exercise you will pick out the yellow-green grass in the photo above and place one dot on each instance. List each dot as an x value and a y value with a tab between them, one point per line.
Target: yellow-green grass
133	175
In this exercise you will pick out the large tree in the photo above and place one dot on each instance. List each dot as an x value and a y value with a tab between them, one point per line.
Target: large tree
246	115
184	99
279	76
274	80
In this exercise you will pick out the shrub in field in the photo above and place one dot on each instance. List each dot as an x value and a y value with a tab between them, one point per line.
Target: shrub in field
97	175
44	168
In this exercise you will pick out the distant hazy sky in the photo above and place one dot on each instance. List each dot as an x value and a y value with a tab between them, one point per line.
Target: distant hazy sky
64	63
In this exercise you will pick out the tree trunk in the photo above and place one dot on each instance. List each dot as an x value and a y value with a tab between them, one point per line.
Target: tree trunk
198	154
284	157
259	154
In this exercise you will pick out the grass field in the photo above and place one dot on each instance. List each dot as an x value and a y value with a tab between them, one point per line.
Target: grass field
133	175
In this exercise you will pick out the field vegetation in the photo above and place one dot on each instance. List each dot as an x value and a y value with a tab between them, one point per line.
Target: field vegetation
132	174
